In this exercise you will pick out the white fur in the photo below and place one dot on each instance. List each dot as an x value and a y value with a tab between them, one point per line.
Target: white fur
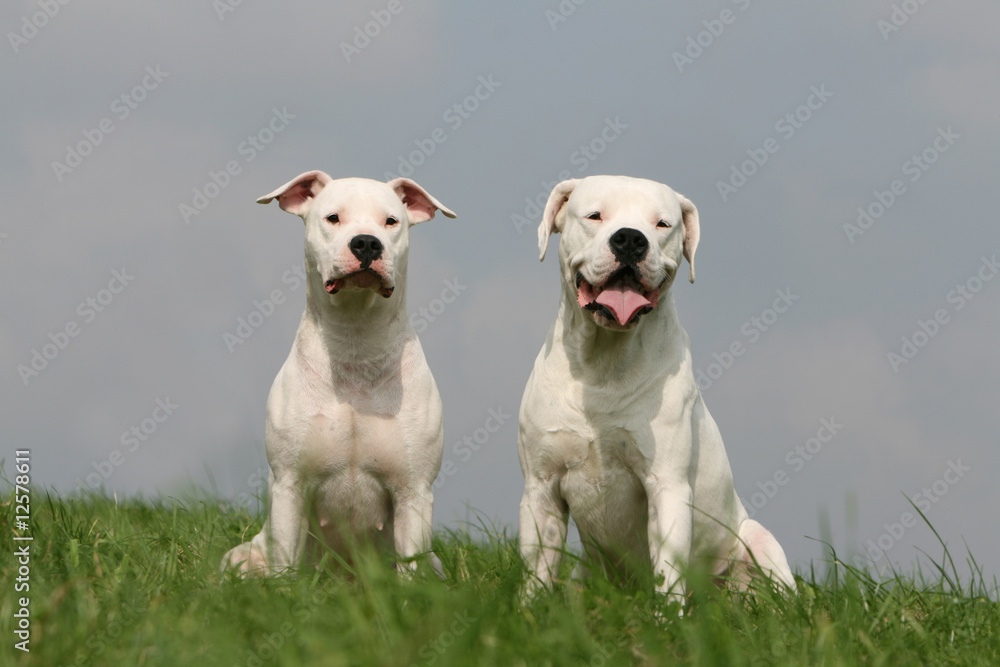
613	428
354	424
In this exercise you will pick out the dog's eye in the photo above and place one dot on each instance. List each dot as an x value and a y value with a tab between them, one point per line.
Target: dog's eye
333	217
664	224
594	216
391	220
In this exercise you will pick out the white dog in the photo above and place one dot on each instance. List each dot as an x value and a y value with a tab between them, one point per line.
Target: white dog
354	424
613	428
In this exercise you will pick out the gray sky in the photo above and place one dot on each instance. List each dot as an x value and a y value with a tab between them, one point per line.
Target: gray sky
137	136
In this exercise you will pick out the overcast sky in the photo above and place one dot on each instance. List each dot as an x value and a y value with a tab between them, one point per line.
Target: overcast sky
843	158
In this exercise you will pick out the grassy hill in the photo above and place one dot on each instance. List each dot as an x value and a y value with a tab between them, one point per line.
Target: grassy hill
136	583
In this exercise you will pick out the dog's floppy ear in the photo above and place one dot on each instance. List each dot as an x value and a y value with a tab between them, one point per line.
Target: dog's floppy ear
554	215
420	204
297	195
692	230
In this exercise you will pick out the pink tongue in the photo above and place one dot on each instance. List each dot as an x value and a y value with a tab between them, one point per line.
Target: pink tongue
623	302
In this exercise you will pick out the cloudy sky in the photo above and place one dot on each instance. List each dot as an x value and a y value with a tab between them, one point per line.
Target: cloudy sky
842	157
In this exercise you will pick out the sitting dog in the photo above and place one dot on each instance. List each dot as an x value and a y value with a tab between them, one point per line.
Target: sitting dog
354	424
613	428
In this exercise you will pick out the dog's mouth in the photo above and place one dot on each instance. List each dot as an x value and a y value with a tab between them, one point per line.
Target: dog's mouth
363	279
622	298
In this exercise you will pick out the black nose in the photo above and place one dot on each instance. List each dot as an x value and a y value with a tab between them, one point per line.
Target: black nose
367	248
629	245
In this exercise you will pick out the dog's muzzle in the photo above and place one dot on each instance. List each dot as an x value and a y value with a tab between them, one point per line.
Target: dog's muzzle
363	279
621	298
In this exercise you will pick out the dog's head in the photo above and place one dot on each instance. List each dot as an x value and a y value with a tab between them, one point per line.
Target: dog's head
622	242
357	229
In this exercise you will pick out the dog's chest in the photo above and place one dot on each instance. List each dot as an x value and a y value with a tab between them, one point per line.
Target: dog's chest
344	443
601	477
586	454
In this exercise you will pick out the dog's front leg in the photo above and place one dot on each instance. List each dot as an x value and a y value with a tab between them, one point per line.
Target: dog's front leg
669	530
543	525
287	523
412	526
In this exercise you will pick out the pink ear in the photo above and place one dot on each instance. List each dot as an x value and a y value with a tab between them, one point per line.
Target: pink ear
297	195
420	204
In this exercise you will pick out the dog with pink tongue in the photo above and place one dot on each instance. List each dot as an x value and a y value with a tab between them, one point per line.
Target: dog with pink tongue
613	429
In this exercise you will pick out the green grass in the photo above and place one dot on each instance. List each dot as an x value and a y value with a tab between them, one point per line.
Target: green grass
135	583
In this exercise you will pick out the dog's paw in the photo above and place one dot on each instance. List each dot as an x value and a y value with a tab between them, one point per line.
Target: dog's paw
531	589
436	565
409	568
245	560
676	603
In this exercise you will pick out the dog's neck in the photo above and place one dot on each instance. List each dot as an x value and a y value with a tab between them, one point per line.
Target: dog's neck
609	354
355	336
